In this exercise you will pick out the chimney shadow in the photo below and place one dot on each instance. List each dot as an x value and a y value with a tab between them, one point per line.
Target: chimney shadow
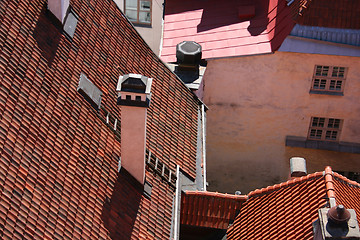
119	213
214	16
259	23
47	34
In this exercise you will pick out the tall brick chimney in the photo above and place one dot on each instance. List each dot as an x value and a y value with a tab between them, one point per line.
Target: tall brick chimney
59	8
134	99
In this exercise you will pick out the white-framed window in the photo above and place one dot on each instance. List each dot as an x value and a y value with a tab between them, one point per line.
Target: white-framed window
329	79
326	129
138	11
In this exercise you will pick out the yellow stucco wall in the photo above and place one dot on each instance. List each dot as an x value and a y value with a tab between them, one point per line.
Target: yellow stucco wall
255	102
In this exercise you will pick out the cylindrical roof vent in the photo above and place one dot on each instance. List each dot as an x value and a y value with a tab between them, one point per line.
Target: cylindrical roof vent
188	53
339	214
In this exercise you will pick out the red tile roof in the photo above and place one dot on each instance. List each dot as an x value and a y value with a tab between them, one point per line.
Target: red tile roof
208	209
217	27
287	210
332	13
59	159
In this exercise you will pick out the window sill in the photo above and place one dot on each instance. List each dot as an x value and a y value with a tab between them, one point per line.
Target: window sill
303	142
144	25
327	93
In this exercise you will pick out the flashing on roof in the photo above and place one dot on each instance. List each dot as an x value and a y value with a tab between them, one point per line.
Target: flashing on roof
59	8
89	91
70	24
63	16
147	189
119	164
289	2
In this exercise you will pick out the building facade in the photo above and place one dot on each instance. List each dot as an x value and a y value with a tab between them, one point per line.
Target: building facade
273	110
147	17
281	80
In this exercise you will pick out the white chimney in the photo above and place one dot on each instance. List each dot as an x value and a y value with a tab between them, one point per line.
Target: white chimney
297	167
59	8
134	98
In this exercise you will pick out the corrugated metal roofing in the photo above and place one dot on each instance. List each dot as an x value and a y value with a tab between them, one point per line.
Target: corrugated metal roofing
336	35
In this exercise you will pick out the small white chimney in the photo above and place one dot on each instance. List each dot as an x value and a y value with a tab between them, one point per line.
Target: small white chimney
297	167
59	8
134	99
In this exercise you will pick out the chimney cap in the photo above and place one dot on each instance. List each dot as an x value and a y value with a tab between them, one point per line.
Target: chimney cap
188	53
134	83
339	214
298	167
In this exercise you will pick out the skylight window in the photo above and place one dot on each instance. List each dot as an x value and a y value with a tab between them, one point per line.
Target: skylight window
90	92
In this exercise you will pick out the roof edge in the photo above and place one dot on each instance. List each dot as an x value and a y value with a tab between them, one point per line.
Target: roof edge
345	179
216	194
275	187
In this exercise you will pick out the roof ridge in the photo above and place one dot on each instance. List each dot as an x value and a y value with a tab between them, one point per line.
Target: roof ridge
329	182
261	191
217	194
345	179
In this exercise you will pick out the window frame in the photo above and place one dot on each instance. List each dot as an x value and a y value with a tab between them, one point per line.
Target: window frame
138	22
320	78
321	124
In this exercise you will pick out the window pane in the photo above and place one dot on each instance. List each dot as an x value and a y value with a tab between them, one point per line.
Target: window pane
318	70
144	17
322	70
132	15
325	70
131	4
331	135
145	5
338	72
315	133
315	122
338	85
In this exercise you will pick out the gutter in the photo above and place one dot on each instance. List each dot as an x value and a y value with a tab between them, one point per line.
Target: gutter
176	223
203	143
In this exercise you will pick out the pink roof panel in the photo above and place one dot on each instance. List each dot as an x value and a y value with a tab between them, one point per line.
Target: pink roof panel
224	28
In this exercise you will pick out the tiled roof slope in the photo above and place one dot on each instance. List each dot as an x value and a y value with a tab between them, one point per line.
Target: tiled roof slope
287	210
215	25
281	212
347	193
332	14
208	209
58	159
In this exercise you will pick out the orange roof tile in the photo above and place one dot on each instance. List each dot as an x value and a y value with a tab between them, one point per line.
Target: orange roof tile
287	210
208	209
59	159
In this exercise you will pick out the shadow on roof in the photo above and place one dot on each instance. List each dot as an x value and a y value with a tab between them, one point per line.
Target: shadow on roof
47	36
119	213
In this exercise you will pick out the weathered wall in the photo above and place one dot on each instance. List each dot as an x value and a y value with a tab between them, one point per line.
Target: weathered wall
151	34
256	101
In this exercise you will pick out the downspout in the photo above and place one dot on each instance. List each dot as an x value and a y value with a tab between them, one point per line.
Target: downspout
203	142
176	232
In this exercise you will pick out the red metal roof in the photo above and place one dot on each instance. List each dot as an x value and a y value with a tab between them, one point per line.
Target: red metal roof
217	27
332	14
59	159
287	210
